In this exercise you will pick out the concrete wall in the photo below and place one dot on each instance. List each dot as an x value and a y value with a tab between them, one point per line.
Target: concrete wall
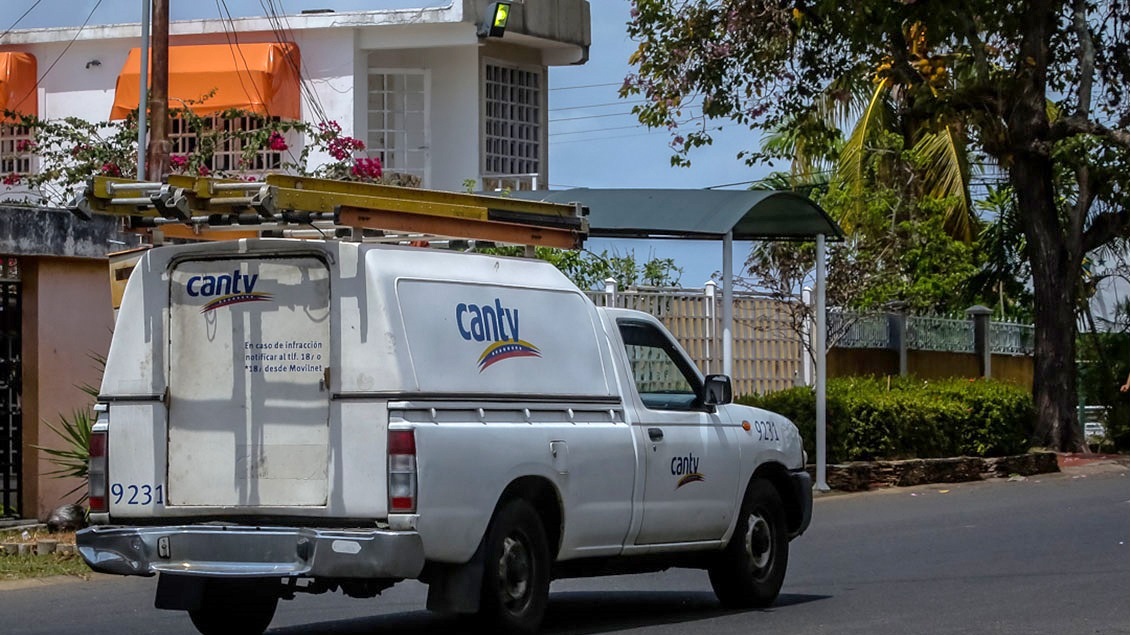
66	317
845	362
334	50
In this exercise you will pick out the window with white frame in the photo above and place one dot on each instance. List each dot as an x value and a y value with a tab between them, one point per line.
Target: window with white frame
16	152
228	155
513	110
397	107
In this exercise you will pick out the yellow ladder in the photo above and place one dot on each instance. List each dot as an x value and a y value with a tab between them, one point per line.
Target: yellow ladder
205	208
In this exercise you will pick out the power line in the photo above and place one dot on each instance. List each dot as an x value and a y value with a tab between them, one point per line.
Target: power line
571	132
587	86
612	114
19	19
612	103
283	34
61	53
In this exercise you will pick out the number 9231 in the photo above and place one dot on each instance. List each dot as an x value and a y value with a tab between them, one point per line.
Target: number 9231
137	494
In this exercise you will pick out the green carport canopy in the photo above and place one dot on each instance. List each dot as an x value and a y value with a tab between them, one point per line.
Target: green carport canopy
696	214
713	215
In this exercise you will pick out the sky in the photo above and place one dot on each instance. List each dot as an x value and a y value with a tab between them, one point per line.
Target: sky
595	141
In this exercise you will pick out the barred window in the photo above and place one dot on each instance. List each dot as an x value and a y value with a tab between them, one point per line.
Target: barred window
15	150
397	107
228	156
513	121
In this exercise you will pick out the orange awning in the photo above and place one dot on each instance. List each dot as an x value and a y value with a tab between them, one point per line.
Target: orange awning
261	78
17	84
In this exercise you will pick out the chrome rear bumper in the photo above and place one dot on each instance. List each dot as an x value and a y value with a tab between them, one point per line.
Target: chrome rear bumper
247	551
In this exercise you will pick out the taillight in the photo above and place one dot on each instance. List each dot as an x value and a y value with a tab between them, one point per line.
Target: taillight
96	472
402	471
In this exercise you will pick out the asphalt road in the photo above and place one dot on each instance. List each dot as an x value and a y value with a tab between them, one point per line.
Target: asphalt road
1045	555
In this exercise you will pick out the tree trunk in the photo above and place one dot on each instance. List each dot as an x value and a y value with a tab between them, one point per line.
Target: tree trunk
1053	246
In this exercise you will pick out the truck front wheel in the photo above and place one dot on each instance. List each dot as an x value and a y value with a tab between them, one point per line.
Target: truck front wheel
750	571
234	607
516	576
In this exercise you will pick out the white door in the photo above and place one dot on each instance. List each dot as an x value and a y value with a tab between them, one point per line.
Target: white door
692	456
249	345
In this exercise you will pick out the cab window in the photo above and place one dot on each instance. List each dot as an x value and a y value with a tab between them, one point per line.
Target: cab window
662	376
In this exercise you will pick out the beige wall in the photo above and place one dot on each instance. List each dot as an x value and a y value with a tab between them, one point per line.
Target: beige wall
844	362
66	318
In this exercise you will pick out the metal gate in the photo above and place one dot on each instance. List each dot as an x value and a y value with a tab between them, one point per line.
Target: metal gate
10	414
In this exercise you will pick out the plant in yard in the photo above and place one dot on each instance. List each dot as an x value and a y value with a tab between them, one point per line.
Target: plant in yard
72	459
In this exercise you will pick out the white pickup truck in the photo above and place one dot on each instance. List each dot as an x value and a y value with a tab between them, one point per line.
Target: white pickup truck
281	417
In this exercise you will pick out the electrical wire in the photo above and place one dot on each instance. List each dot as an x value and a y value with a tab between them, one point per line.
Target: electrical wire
61	53
588	86
283	35
19	19
611	103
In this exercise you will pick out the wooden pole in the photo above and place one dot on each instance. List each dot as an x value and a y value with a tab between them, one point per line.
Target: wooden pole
158	151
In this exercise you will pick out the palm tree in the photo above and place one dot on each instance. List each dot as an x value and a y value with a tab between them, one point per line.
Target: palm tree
869	104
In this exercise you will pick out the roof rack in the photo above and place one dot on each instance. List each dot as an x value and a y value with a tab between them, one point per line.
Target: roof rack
205	208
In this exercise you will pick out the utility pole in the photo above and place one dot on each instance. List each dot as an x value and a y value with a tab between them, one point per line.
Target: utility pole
159	146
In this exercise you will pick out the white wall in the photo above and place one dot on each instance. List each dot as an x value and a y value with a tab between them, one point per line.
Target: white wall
335	63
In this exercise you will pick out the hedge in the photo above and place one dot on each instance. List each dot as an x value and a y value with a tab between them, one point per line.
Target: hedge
871	418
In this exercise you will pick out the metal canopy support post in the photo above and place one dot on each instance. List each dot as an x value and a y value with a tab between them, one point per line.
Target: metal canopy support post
728	303
143	91
819	350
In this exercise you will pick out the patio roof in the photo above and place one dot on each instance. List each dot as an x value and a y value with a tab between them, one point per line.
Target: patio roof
696	214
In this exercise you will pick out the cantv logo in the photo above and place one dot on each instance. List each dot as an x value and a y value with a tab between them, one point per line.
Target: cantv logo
225	289
498	326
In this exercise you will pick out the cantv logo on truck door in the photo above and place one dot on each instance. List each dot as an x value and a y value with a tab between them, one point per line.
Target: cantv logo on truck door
498	326
225	289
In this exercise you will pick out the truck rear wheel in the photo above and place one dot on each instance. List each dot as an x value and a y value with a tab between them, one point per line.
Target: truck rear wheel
750	571
516	575
234	607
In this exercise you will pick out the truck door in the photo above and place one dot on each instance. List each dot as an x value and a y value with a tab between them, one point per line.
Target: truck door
692	458
249	345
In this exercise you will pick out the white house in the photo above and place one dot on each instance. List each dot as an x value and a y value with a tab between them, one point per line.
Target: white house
428	94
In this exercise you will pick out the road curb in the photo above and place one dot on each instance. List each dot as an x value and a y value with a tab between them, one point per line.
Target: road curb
860	476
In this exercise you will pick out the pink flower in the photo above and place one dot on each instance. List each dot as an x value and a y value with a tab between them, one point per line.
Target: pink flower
111	169
11	179
276	142
25	145
178	161
365	168
203	170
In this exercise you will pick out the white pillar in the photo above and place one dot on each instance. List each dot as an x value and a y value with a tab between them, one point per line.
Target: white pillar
709	288
728	304
807	339
610	292
819	354
143	92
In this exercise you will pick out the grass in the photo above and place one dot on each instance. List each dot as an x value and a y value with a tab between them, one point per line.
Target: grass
34	566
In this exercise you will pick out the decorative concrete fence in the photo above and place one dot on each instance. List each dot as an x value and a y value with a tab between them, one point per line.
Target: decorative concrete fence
768	339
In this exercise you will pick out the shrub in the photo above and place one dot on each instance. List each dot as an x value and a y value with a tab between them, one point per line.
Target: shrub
872	418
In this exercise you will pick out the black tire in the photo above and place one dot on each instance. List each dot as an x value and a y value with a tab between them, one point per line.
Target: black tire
235	607
516	572
750	571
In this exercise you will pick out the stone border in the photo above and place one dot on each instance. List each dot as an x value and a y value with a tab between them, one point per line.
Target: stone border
861	476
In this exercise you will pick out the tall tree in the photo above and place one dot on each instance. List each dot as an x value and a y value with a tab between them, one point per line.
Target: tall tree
1040	86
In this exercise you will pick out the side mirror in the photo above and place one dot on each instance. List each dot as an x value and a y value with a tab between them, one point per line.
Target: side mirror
717	390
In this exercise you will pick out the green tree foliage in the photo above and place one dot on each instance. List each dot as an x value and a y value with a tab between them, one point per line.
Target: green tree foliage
589	270
1040	87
